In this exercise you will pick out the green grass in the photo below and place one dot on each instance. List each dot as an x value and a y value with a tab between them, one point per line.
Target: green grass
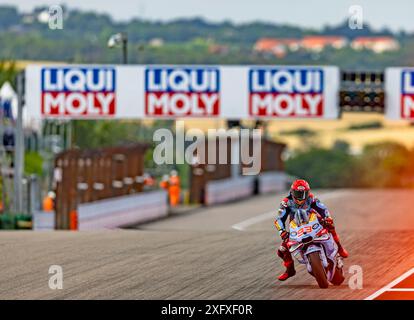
298	132
366	125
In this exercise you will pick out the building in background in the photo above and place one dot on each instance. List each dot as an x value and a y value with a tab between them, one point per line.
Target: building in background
156	42
280	47
376	44
319	43
277	46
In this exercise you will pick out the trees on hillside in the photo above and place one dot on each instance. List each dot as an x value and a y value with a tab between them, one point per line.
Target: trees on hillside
386	164
84	36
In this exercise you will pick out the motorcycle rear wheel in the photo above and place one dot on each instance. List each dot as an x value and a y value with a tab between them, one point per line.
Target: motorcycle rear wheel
318	270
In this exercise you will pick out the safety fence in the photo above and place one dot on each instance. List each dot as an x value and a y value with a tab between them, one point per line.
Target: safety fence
84	176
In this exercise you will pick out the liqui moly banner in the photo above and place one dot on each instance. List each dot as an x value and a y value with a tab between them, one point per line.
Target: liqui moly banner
399	93
175	91
286	92
86	91
81	92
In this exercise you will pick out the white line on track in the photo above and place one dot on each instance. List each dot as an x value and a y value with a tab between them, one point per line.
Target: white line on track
402	290
389	286
243	225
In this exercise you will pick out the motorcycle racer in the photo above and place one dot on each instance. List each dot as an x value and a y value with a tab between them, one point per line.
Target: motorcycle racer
300	197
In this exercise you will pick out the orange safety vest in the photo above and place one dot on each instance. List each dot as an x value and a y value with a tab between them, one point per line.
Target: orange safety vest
175	181
48	204
174	190
164	184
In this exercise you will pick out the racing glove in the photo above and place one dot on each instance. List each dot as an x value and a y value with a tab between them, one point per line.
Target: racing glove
328	223
284	235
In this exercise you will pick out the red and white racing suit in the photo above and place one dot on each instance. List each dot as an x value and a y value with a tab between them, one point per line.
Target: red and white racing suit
287	210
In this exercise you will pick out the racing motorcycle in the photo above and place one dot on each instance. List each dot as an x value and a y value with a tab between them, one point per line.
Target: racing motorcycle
312	245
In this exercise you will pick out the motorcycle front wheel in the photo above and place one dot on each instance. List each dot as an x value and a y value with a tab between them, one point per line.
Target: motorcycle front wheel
338	277
318	270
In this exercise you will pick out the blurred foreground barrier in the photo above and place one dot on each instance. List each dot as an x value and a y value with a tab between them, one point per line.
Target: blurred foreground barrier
122	211
272	181
224	190
43	220
7	221
12	221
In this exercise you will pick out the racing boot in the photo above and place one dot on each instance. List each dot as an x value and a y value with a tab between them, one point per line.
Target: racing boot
328	223
341	250
290	272
284	253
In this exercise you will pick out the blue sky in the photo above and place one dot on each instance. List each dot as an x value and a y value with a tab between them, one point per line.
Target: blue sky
395	14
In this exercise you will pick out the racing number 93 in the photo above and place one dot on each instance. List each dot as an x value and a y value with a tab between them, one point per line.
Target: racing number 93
305	230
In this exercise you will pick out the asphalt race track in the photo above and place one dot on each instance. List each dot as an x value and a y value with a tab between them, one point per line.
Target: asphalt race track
222	252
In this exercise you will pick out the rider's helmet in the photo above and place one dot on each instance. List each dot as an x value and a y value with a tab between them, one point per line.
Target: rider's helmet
300	191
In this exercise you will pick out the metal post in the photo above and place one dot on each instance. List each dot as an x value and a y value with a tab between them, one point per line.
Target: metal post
265	129
69	135
124	48
19	148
